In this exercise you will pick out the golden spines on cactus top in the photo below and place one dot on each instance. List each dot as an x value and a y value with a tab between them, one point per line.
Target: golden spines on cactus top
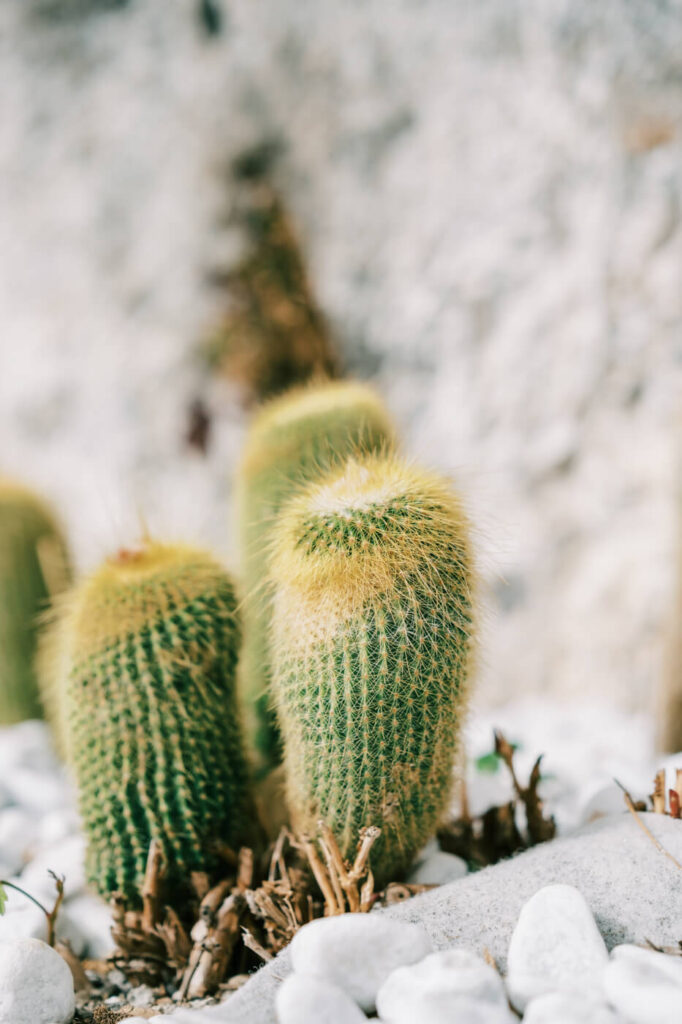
154	733
293	440
34	566
371	651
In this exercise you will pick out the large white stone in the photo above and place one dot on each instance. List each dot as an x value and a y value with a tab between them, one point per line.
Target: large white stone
645	986
604	860
36	986
569	1008
452	987
305	999
556	946
357	952
437	868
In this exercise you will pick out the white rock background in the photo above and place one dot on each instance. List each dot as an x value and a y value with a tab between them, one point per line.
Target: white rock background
487	230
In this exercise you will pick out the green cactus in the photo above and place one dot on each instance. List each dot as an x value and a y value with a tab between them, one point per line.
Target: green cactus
372	639
33	567
294	439
154	736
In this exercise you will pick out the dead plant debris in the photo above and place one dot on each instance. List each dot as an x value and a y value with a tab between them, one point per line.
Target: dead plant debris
495	835
197	955
243	920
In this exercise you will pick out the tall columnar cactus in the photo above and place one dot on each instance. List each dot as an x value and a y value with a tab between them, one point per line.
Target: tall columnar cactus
33	566
154	736
371	652
294	439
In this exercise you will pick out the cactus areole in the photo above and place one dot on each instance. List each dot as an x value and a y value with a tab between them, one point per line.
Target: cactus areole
154	734
371	652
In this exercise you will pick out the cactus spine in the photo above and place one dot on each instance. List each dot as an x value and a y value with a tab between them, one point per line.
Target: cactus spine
33	566
371	645
295	438
153	728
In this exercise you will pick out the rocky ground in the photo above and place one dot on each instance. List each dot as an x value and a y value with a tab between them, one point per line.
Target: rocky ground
39	833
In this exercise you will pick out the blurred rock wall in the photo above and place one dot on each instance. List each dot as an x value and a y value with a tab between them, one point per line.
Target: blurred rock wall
490	197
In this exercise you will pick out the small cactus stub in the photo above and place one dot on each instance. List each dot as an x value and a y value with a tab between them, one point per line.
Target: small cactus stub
295	439
372	647
34	567
153	727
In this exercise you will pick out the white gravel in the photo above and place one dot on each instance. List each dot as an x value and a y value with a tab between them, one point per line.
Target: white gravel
357	952
644	985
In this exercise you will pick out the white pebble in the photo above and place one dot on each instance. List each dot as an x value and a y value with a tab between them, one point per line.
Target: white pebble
555	947
645	986
67	860
357	952
22	922
57	825
304	999
18	837
26	921
568	1008
603	802
92	916
27	745
140	996
452	987
438	868
37	790
36	986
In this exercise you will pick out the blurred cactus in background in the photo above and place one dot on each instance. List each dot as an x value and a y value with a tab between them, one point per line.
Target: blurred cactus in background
34	567
153	729
293	440
371	653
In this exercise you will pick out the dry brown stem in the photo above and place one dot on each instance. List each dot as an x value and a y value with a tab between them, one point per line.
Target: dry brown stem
151	899
495	835
629	803
658	795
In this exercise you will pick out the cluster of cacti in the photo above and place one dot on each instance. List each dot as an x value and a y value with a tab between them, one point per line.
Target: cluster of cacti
371	647
294	439
358	608
151	714
33	567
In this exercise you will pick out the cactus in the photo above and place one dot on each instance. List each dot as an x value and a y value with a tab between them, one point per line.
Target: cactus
33	566
152	640
371	651
294	438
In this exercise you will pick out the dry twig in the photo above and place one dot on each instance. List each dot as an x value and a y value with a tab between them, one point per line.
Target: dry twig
629	803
